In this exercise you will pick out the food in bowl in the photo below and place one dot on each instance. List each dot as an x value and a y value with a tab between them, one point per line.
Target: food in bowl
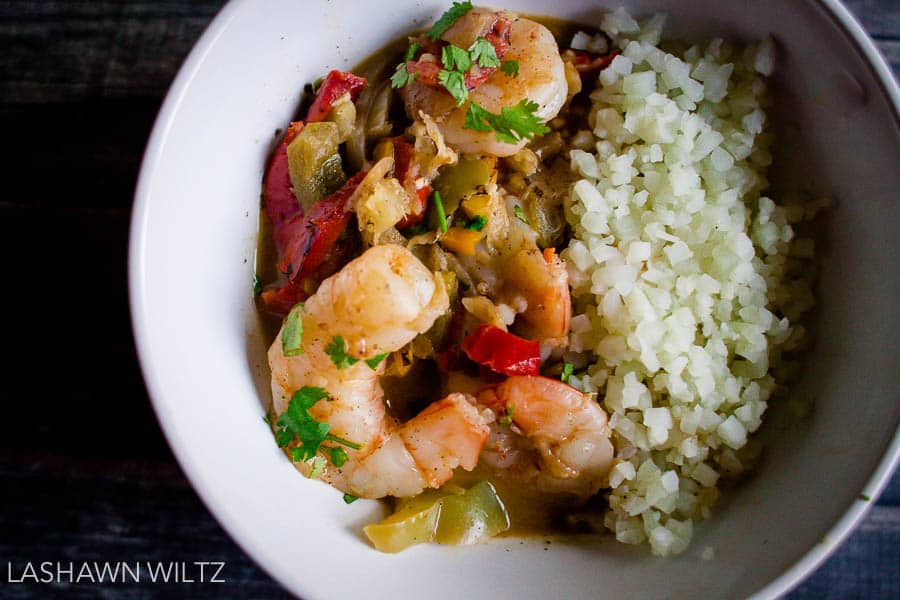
525	278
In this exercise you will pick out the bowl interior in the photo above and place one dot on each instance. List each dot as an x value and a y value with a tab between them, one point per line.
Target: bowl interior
193	247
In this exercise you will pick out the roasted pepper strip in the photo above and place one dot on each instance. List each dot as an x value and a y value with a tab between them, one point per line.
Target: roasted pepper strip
503	352
585	62
315	234
336	84
278	198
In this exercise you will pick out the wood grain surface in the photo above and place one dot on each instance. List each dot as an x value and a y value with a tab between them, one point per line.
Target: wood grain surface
85	473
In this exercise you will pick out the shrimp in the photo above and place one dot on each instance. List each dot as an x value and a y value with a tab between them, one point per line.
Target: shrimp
542	280
566	430
378	303
541	79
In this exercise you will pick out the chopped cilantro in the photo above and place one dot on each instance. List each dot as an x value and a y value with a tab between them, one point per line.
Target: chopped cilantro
257	286
455	83
350	499
483	53
520	215
267	420
455	58
335	350
568	368
297	424
411	51
865	498
338	457
292	332
507	419
333	438
318	465
447	19
402	76
439	208
511	68
476	223
511	125
376	360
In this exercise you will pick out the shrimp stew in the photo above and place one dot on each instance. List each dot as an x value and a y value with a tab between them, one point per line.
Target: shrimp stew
493	258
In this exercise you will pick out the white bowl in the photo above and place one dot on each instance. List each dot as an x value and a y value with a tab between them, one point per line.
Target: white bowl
192	248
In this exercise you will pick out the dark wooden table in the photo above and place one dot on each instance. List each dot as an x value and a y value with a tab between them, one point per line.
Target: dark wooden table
84	471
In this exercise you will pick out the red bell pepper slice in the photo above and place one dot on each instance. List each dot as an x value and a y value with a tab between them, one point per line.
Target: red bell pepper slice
278	197
336	84
503	352
314	235
281	300
585	62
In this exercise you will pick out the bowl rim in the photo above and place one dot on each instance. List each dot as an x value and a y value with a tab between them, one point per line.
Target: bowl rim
783	583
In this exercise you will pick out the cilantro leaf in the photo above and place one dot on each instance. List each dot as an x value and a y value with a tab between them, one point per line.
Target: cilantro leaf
333	438
318	465
476	223
511	68
297	424
455	83
507	419
402	76
455	58
520	215
350	499
483	53
335	351
447	19
568	368
411	51
257	286
376	360
439	208
511	125
338	457
292	332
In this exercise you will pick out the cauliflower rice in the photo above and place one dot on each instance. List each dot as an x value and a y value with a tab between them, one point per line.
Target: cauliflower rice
685	276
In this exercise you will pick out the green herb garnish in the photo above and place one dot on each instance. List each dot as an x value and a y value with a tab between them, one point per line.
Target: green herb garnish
511	68
447	19
350	499
439	208
376	360
292	332
297	425
455	58
507	419
318	465
567	370
520	215
455	84
411	51
476	223
335	351
865	498
402	76
483	53
257	286
338	457
514	123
